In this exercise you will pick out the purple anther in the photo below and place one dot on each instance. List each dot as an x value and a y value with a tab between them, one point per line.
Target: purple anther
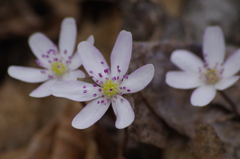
50	76
103	96
124	87
119	70
65	52
106	71
111	89
114	78
102	62
221	71
94	95
117	66
43	72
38	62
100	75
102	101
98	102
100	90
128	90
120	87
85	91
69	57
47	56
84	87
122	99
43	55
91	77
55	59
115	96
94	85
58	66
121	93
91	72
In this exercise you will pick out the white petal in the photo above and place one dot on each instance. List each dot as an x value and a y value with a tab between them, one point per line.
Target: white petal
73	75
43	90
121	54
75	62
203	95
40	45
90	39
213	46
27	74
68	35
76	90
232	64
226	82
186	61
138	80
92	60
123	111
90	114
183	80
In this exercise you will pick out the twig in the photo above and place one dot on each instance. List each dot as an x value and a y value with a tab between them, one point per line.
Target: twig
124	142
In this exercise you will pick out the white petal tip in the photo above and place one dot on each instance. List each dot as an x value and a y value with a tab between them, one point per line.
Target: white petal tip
79	126
91	39
122	126
33	94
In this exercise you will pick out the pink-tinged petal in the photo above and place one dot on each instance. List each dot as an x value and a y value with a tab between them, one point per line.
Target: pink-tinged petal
121	54
226	82
73	75
76	90
93	61
90	114
40	46
137	80
123	111
68	35
213	46
203	95
90	39
186	61
75	62
43	90
232	64
27	74
183	80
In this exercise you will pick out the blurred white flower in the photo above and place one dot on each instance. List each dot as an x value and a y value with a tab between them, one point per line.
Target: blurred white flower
207	76
58	64
110	84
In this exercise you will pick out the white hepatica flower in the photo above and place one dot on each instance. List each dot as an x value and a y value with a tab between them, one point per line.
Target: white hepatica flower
57	64
110	84
208	76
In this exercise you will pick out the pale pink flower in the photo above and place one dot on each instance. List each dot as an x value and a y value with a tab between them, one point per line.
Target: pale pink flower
59	63
110	85
208	75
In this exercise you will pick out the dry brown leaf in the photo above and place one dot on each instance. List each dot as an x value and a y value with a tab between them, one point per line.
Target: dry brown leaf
206	144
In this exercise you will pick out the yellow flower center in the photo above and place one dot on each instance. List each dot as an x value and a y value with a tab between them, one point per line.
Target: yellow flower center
58	68
211	76
110	88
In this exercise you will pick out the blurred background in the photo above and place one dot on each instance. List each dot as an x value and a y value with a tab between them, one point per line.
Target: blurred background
41	128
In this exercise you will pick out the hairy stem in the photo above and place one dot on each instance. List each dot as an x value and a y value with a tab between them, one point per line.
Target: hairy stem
231	103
